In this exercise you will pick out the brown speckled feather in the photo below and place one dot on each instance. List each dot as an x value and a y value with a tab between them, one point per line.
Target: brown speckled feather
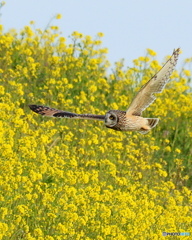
155	85
52	112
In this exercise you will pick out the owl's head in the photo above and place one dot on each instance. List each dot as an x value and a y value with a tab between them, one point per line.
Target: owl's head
111	119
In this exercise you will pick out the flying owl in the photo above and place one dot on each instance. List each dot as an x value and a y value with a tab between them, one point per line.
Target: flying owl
130	120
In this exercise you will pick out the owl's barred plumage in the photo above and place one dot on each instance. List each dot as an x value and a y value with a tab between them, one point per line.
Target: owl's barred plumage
131	119
52	112
155	85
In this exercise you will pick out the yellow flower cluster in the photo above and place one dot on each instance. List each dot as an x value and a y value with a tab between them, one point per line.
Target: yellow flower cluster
73	179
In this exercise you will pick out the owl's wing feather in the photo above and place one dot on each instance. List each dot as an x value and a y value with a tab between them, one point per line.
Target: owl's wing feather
52	112
155	85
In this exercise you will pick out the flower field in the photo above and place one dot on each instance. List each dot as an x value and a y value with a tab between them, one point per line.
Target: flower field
76	179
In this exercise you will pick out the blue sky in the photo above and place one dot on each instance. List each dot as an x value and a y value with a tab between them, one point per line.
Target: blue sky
130	26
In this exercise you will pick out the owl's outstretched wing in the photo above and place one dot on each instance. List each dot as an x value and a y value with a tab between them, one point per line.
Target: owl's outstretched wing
155	85
52	112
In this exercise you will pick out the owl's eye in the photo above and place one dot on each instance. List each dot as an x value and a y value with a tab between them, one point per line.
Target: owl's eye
111	117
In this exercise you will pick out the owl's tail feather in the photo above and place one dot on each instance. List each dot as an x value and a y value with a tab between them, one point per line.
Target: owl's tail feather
152	122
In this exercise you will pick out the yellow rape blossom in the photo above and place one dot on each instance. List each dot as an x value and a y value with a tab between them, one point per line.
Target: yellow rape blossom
58	16
187	73
151	52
